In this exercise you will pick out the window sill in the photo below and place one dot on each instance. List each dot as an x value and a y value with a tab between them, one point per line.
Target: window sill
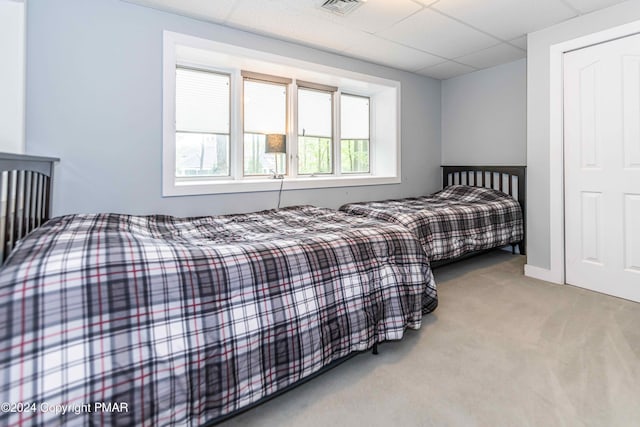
201	187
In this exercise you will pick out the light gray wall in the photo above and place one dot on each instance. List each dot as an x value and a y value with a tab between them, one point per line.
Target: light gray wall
94	99
484	117
538	117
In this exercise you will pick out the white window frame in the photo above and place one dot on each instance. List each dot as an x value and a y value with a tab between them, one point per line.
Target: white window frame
384	94
222	73
339	141
265	79
333	91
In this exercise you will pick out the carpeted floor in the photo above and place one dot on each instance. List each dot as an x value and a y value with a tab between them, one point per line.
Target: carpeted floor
500	350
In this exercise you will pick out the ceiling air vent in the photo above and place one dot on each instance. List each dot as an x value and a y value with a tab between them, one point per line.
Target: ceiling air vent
342	7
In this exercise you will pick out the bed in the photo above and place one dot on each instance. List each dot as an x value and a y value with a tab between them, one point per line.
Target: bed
480	208
156	320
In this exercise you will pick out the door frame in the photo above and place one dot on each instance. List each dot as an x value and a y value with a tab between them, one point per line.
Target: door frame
556	139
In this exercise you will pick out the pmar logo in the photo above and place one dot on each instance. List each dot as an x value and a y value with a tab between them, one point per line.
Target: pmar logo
111	407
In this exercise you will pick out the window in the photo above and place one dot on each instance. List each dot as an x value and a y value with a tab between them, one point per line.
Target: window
265	112
315	129
223	103
202	123
354	134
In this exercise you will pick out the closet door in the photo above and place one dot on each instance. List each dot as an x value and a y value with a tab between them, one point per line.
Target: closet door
602	167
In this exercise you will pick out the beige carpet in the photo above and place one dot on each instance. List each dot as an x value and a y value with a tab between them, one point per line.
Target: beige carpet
500	350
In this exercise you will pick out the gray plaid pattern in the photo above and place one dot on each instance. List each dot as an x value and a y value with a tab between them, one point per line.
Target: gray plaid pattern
186	320
455	221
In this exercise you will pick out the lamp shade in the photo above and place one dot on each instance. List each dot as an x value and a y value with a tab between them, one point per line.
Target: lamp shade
276	143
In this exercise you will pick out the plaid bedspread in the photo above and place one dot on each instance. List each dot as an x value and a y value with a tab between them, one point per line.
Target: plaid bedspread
455	221
123	320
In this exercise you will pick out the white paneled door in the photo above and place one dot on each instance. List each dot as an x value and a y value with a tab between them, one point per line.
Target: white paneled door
602	167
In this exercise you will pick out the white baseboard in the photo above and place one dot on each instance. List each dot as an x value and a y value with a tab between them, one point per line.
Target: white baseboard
541	274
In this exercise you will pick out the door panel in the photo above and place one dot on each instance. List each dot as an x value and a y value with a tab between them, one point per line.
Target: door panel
632	233
590	115
591	227
631	99
602	167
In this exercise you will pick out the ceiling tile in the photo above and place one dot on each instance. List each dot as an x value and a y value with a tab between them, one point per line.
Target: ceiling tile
376	15
432	32
214	11
495	55
426	2
507	19
290	20
372	16
585	6
392	54
520	42
413	34
446	70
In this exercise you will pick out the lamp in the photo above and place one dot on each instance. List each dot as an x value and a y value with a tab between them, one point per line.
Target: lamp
277	144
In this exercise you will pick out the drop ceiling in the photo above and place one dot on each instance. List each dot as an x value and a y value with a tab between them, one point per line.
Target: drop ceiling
435	38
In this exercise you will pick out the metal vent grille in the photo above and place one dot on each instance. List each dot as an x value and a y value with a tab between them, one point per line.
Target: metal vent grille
341	7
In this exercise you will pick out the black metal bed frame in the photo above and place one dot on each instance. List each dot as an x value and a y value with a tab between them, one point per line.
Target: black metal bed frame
26	184
511	180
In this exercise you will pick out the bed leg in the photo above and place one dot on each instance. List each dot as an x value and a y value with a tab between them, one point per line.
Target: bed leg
521	248
513	248
375	348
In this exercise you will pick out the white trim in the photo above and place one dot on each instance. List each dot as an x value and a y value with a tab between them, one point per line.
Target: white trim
337	133
23	83
292	129
399	130
541	274
13	94
193	187
556	145
168	111
556	170
373	87
236	155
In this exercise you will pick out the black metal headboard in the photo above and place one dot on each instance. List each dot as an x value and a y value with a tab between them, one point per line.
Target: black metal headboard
508	179
25	194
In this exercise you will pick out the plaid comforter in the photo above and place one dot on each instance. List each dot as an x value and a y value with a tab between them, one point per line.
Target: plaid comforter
125	320
455	221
